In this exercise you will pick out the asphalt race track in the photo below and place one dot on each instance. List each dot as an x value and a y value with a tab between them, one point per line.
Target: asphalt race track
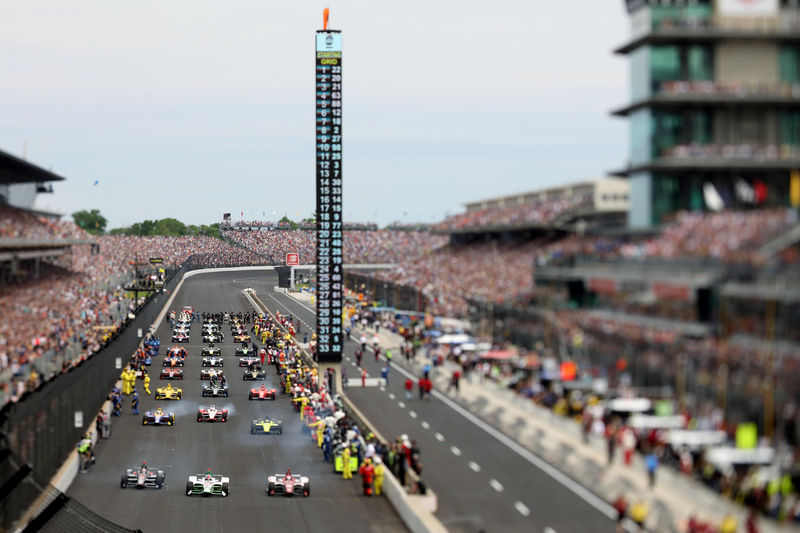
482	483
228	449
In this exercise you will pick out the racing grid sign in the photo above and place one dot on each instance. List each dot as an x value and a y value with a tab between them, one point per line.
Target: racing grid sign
330	276
292	259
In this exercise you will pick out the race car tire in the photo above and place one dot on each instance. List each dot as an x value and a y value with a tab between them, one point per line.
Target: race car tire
307	489
271	489
189	488
199	417
250	396
204	393
171	419
144	421
280	430
160	480
225	417
180	395
226	489
123	483
252	430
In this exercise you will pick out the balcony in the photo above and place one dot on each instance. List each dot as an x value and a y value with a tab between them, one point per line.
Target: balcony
711	93
786	29
732	157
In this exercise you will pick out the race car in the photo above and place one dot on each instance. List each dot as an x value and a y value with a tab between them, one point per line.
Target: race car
177	351
212	336
180	336
168	393
241	337
254	373
288	484
142	477
211	351
244	350
212	361
212	414
208	485
172	362
262	393
215	388
210	327
250	360
208	373
157	418
171	373
188	309
266	426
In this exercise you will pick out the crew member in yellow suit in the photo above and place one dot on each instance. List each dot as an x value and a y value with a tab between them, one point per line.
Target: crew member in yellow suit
146	379
380	471
346	473
127	387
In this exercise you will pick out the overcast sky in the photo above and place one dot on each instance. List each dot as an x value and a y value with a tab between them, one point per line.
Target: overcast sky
191	108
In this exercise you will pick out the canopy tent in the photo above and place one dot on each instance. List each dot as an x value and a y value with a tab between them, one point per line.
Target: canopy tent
694	439
459	338
723	456
629	405
657	422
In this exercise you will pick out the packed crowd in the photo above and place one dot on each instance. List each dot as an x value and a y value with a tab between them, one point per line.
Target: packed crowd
733	151
381	246
76	304
731	88
450	276
518	215
21	224
706	236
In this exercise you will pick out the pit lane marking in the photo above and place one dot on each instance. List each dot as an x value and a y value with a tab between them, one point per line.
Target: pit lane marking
524	511
475	467
496	485
439	437
425	425
391	396
455	451
402	405
412	414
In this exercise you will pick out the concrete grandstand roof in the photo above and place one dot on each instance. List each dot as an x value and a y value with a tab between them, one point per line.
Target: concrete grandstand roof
16	170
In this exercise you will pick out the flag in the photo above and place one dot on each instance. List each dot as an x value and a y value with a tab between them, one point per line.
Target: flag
95	183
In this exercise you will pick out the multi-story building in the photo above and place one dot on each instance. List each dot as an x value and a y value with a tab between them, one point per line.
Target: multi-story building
715	106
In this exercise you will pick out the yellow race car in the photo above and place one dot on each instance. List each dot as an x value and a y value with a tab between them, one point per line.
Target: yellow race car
169	393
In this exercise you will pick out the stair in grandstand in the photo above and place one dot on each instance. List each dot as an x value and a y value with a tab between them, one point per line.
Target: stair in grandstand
781	242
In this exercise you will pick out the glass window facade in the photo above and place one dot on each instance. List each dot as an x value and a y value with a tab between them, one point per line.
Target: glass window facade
789	64
693	62
670	128
790	128
696	14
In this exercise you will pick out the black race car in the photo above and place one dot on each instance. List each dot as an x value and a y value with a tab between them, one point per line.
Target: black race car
245	349
211	351
254	373
143	477
216	389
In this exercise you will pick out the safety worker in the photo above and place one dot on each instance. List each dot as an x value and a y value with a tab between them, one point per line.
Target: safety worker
146	379
135	402
639	513
367	472
85	451
363	377
380	472
320	432
346	473
116	399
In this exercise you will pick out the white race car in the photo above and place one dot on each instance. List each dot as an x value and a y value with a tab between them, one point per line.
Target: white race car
208	485
288	484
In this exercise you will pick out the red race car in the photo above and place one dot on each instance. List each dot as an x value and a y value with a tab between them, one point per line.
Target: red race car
212	414
171	373
262	393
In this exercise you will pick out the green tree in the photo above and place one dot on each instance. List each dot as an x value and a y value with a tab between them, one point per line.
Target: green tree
287	220
92	221
169	226
120	231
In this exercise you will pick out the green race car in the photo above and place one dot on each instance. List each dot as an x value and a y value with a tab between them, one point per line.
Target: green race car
266	426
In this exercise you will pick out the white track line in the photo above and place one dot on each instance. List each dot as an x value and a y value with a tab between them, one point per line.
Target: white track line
391	396
523	509
439	437
412	414
425	425
401	405
496	485
474	466
455	451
